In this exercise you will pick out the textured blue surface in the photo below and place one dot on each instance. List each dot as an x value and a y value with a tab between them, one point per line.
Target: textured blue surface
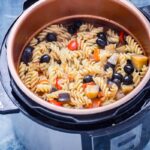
9	10
141	3
8	141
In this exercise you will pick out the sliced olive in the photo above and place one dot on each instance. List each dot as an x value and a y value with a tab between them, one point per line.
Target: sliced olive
129	68
45	59
100	42
77	23
50	37
88	79
72	29
53	89
117	82
27	54
64	97
128	80
102	35
109	65
117	76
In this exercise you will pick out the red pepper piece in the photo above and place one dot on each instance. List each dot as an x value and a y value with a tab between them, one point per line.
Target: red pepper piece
58	86
55	102
73	45
121	37
96	102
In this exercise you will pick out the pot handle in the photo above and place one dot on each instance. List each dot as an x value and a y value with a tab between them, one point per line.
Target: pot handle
6	105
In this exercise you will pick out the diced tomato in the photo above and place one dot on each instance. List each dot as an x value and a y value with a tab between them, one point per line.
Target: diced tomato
86	84
96	54
89	105
100	94
55	102
121	37
73	45
96	102
58	86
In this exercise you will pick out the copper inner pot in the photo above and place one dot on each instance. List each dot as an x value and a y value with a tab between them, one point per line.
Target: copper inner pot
116	13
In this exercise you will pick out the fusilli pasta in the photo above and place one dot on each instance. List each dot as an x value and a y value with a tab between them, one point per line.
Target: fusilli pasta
82	65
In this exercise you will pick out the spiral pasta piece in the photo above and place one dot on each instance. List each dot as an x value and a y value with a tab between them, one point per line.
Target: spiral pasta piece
136	78
86	27
79	99
112	36
43	88
103	85
133	46
143	71
123	57
34	80
58	29
22	70
34	42
113	91
27	80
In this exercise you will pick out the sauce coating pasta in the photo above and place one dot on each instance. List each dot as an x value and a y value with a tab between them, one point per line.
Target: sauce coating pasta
81	65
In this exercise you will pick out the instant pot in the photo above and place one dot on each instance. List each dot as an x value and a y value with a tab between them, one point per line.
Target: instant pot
124	128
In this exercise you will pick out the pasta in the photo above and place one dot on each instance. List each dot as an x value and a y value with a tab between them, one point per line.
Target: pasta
22	70
113	91
143	71
81	65
112	36
136	78
132	46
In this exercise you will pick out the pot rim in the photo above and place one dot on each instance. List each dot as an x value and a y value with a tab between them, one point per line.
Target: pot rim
38	100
